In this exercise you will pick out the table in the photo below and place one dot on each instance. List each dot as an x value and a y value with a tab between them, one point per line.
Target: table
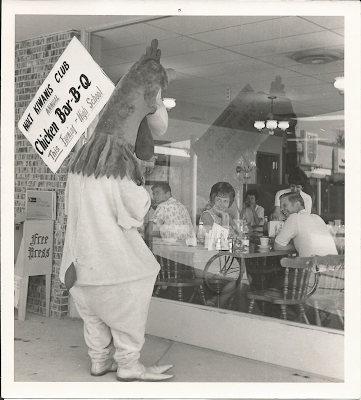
206	263
216	267
197	257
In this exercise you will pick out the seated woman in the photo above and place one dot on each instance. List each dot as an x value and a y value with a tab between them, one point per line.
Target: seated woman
252	212
220	200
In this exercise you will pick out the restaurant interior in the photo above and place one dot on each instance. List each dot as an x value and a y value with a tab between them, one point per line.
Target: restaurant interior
230	73
233	74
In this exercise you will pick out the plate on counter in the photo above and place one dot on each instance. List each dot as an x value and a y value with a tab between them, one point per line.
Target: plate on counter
263	247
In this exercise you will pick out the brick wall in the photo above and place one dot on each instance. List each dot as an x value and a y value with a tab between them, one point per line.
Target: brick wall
34	59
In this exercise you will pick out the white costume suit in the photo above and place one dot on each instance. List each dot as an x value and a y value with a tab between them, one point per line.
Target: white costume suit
103	243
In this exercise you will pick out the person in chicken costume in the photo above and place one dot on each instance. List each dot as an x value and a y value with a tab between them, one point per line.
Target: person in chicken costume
106	265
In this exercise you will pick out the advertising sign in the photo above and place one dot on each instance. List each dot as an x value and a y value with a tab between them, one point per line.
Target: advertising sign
67	102
339	160
40	204
36	249
311	144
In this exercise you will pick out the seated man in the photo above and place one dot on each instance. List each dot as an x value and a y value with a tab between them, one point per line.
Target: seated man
305	232
252	212
171	220
297	180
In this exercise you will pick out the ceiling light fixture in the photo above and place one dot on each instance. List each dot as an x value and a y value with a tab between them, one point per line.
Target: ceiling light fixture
340	84
271	124
169	103
317	56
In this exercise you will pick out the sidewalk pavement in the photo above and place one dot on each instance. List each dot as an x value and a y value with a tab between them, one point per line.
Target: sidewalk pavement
53	350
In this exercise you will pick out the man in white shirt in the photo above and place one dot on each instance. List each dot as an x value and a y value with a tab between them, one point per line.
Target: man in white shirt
297	181
305	232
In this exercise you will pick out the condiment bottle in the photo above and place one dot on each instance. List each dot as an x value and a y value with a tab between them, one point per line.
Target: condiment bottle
265	227
237	245
224	244
245	237
201	233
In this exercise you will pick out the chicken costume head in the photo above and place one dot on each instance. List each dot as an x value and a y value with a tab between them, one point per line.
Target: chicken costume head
124	131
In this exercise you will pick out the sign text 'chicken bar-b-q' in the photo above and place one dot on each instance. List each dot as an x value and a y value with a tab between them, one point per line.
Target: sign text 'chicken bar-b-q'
67	102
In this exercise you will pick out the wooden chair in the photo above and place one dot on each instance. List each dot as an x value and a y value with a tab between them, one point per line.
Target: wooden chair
219	271
295	287
263	269
179	276
329	295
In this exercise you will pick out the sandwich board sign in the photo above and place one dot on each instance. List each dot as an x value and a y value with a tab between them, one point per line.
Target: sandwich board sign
69	99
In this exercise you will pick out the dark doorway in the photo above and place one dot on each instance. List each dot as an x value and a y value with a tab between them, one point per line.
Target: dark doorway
268	168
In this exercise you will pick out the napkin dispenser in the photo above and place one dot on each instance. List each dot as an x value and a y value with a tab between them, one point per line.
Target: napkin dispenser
274	228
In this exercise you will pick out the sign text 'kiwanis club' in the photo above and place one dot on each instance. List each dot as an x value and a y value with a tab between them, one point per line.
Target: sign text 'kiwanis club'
65	105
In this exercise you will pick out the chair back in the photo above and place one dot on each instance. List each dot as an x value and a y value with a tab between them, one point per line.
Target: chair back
332	269
173	271
297	277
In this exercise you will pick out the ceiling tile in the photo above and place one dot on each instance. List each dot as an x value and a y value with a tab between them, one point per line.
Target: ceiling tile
329	77
232	67
183	84
290	45
114	72
294	81
196	24
282	60
131	35
319	88
320	96
330	104
257	75
250	33
318	69
204	72
108	59
181	75
289	82
213	92
200	58
339	31
301	109
327	22
169	47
